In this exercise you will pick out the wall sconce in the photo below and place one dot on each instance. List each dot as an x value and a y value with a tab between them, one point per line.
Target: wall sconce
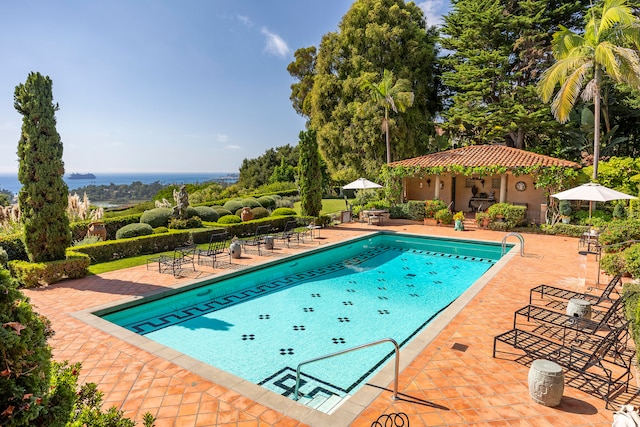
441	185
428	182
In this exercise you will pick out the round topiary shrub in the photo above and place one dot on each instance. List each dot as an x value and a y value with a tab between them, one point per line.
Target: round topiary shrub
134	230
222	212
160	230
284	212
251	203
259	212
230	219
206	213
158	217
267	202
183	224
233	205
191	212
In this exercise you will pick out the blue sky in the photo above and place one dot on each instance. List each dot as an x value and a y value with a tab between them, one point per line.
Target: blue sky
163	85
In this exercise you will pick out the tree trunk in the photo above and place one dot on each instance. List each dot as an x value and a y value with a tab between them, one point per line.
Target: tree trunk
386	133
596	124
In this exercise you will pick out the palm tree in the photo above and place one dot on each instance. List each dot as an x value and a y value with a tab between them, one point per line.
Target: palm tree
396	96
604	49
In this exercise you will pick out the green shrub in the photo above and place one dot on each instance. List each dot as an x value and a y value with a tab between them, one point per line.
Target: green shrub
26	357
400	211
222	212
251	202
613	264
284	211
564	229
206	213
564	207
182	224
88	240
14	246
619	231
233	205
160	230
433	206
632	260
268	202
157	217
229	219
259	212
33	274
112	224
514	216
444	216
599	218
134	230
620	211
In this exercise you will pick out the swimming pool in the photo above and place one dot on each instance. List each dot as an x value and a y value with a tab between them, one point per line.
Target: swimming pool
260	324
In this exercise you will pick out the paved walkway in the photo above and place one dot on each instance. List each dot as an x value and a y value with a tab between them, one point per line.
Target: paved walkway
453	380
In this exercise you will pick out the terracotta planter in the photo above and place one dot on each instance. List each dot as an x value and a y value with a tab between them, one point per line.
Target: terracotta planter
430	221
246	214
97	229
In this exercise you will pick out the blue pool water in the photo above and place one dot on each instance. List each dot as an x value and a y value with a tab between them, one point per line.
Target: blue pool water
261	324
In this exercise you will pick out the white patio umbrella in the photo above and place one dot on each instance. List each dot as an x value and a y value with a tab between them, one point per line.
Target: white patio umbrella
361	184
592	192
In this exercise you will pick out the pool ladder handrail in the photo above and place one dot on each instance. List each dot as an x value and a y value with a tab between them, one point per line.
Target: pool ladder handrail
349	350
504	242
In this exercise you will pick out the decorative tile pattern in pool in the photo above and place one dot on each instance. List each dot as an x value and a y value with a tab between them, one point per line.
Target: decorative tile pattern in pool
260	326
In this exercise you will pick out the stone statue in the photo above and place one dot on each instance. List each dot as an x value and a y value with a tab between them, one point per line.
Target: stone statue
182	203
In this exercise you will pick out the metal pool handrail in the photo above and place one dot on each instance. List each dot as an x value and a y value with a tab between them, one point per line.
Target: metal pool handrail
349	350
504	242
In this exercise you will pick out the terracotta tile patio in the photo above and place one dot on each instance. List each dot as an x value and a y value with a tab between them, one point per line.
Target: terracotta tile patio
453	379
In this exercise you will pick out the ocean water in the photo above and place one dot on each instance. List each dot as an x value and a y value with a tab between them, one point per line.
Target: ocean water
10	181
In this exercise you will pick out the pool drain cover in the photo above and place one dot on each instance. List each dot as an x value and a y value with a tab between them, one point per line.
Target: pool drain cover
460	347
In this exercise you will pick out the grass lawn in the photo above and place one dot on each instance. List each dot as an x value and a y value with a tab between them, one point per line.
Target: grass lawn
329	206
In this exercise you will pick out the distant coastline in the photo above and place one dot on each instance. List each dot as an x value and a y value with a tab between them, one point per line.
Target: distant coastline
9	181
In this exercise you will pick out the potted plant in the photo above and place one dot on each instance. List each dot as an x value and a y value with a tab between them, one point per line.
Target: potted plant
482	219
458	217
431	207
444	216
565	211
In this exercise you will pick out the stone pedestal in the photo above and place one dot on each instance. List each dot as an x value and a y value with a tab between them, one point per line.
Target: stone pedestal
577	307
235	249
546	382
269	242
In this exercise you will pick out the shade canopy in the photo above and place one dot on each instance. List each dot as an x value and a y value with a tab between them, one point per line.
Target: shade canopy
361	184
592	192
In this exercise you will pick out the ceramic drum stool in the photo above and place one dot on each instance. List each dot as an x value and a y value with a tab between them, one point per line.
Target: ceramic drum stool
577	307
546	382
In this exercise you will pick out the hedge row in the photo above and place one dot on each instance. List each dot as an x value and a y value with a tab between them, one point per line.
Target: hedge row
32	274
112	250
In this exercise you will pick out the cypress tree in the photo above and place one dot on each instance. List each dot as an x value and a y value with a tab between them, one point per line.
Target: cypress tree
310	174
43	196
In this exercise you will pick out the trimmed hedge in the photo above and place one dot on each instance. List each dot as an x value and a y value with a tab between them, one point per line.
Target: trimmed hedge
33	274
259	213
14	246
251	202
229	219
134	230
222	212
206	213
233	205
158	217
284	211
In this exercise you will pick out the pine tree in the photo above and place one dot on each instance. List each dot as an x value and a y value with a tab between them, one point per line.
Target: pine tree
497	50
310	174
43	196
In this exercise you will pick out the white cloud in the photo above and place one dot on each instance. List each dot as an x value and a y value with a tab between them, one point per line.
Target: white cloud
275	44
220	137
245	20
232	147
433	10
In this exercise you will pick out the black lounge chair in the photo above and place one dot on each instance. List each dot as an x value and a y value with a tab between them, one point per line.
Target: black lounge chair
258	238
289	232
573	358
182	256
583	333
564	294
217	249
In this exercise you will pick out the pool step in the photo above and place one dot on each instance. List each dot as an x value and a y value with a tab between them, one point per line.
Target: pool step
322	402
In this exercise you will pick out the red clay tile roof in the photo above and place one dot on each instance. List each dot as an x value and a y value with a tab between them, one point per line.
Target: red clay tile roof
485	155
